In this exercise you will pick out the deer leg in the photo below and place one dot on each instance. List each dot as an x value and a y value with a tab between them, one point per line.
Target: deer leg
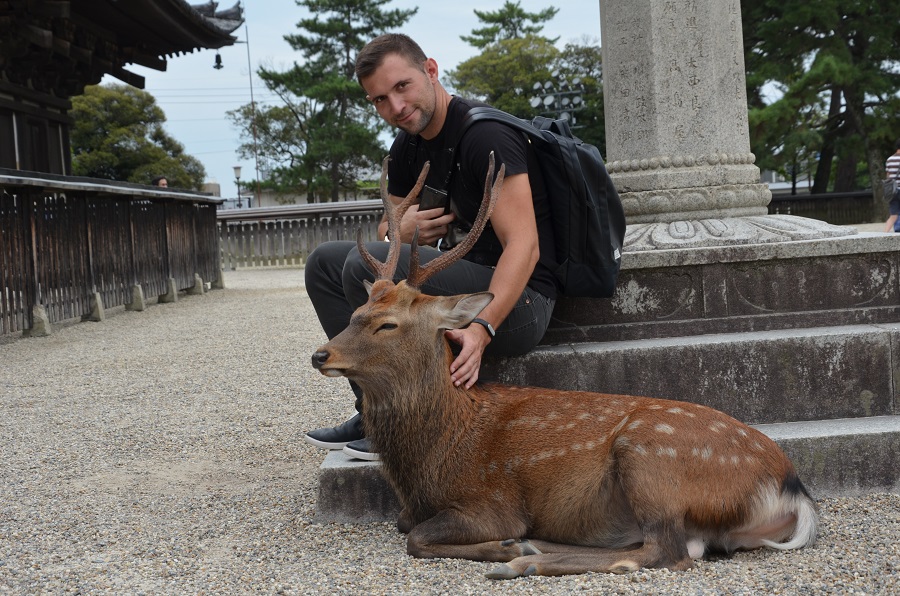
405	522
664	546
451	534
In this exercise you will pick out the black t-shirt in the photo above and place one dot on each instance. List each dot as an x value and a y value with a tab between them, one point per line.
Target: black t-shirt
510	147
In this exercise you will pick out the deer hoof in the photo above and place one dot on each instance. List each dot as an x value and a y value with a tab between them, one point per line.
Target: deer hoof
502	572
507	572
525	547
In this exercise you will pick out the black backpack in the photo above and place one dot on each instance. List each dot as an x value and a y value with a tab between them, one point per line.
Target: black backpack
588	220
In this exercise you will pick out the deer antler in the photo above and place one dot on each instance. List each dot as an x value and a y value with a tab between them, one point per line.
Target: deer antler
419	275
394	213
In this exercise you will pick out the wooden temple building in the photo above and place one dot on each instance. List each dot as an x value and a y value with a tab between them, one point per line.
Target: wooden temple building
70	246
51	49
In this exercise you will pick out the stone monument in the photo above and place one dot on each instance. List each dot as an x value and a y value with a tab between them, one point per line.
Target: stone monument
676	124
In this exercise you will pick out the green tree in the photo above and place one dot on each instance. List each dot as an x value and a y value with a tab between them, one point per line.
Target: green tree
580	65
510	22
516	63
505	73
117	134
324	137
823	87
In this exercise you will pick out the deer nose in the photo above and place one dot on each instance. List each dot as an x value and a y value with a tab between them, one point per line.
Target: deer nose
320	358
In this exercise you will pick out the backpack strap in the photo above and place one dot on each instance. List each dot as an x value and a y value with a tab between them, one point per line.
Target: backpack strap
440	173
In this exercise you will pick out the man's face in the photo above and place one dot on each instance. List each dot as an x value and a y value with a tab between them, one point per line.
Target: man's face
402	93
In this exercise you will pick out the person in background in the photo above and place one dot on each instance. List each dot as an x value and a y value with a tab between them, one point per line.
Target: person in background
160	181
891	170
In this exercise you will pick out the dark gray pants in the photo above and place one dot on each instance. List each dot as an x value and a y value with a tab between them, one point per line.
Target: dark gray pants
334	281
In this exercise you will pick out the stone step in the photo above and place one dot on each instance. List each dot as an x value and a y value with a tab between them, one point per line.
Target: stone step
758	377
833	458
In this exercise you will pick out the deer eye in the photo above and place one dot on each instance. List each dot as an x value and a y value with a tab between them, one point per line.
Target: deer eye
386	327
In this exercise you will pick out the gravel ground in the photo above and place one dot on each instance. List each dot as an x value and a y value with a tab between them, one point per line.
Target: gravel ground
160	452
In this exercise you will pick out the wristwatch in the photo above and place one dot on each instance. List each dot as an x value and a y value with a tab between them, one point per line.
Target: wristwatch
486	325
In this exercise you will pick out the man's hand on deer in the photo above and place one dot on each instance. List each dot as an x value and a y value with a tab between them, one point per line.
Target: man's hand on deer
473	340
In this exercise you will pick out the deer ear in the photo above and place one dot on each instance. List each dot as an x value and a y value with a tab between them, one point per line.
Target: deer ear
368	286
465	308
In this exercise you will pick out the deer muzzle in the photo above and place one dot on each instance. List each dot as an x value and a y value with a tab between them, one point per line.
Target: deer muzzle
320	363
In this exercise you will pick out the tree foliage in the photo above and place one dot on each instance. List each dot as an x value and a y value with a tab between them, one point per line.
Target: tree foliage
117	134
832	67
516	63
324	137
509	22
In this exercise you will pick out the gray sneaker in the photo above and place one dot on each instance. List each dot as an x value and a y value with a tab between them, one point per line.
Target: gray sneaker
361	449
338	436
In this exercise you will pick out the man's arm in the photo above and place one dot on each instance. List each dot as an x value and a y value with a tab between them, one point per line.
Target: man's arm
514	223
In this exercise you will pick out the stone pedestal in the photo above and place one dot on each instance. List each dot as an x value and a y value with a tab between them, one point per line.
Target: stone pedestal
678	147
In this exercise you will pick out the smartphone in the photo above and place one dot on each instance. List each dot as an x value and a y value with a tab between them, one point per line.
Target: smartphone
431	198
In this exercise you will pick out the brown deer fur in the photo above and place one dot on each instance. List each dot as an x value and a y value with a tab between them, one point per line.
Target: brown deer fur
552	482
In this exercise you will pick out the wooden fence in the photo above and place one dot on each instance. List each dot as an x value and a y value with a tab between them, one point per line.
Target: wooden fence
68	243
840	209
277	236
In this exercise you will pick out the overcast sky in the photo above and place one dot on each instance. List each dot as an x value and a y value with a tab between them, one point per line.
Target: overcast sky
195	97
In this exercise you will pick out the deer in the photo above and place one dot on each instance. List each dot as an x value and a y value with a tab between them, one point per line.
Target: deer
545	481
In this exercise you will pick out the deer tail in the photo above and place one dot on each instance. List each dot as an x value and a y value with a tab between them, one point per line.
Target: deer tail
794	498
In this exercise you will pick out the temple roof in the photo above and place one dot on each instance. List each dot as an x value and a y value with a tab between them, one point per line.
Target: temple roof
59	46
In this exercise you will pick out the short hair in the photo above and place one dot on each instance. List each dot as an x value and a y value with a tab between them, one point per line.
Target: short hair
373	54
157	179
897	145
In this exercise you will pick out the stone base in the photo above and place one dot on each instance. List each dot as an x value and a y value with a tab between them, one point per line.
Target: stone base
137	299
98	313
171	294
728	231
692	291
41	323
354	491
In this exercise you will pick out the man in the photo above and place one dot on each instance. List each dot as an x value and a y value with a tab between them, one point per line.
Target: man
513	258
891	170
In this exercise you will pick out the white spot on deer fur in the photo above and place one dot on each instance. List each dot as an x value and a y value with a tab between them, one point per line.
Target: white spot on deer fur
576	446
717	426
635	424
568	426
622	441
735	460
750	459
664	428
655	407
757	446
666	451
590	445
674	410
639	449
742	432
584	416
